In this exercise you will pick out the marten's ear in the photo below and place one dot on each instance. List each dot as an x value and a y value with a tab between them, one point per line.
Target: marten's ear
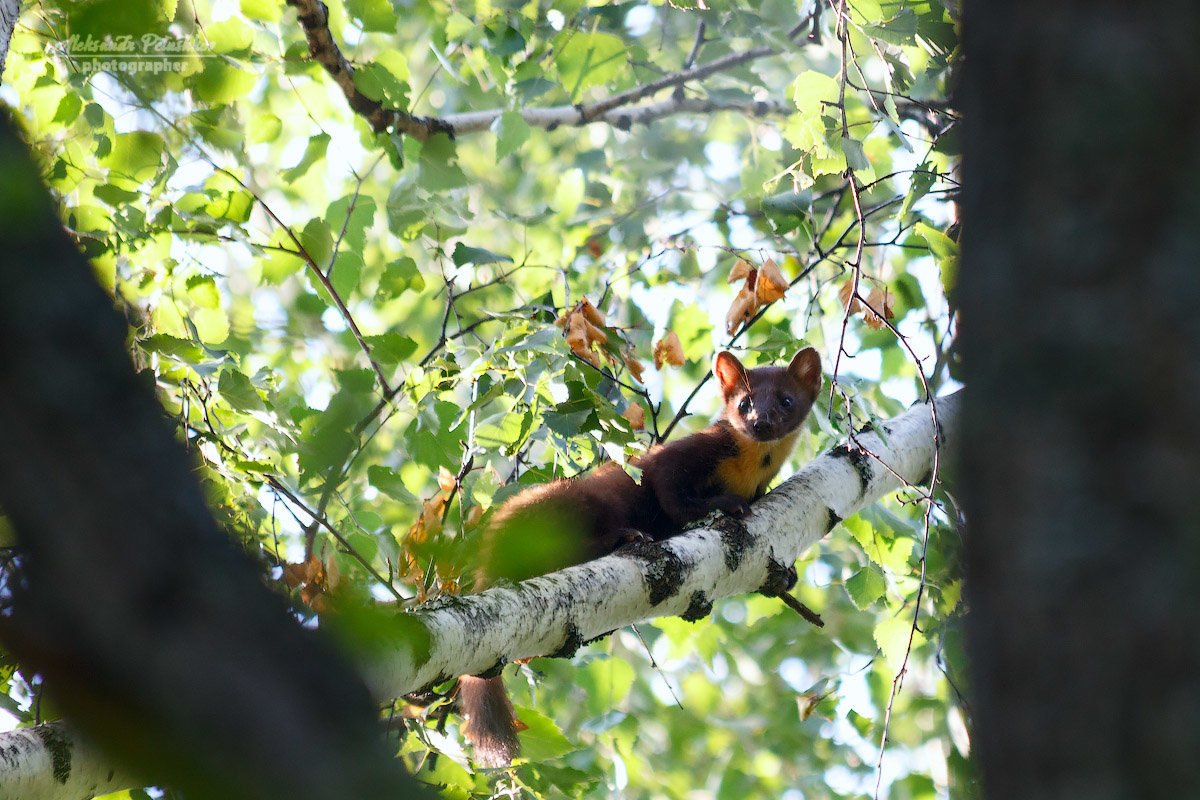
729	371
805	367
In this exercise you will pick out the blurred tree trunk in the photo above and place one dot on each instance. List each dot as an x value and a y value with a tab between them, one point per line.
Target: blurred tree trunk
152	631
1080	297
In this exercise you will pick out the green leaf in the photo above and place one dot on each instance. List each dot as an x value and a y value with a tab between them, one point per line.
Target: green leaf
315	151
798	202
892	636
923	179
346	272
264	10
856	159
211	324
135	157
69	108
115	196
949	597
400	276
863	725
541	740
390	349
865	587
317	240
811	90
693	326
568	419
511	131
239	392
277	266
182	349
945	251
372	15
220	83
899	30
585	60
883	548
264	127
457	25
229	36
465	254
234	206
606	682
377	82
438	169
203	291
388	481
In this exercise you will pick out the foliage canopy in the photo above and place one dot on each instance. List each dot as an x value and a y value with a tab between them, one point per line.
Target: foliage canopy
355	328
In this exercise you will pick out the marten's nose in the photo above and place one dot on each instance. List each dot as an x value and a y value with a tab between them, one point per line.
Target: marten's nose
762	428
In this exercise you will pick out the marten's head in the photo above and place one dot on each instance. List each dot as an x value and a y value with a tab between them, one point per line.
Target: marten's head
767	403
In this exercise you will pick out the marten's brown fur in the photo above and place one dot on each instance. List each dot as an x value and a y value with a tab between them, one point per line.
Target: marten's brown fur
566	522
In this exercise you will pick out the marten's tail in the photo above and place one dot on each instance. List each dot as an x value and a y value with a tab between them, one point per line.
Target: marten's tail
491	721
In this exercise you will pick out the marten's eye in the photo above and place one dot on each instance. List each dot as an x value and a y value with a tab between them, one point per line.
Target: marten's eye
744	406
786	402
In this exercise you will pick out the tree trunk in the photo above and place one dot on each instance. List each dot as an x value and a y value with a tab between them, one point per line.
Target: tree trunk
1080	297
154	634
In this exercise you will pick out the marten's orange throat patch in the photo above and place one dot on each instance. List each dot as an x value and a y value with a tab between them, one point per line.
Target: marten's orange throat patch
748	473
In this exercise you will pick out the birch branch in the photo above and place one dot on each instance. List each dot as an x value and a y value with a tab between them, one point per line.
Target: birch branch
620	118
48	762
617	110
557	613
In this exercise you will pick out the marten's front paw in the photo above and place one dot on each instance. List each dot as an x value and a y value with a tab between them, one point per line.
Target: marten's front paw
731	504
627	536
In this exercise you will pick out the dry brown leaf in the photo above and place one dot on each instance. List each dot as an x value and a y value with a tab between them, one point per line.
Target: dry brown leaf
883	297
431	516
740	270
847	297
634	366
592	314
882	301
740	310
577	338
594	334
668	350
636	415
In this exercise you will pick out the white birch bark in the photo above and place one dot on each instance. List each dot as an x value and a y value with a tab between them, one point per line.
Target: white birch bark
622	117
50	762
9	11
555	614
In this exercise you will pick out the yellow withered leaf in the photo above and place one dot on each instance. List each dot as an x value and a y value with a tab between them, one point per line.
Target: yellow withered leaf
771	284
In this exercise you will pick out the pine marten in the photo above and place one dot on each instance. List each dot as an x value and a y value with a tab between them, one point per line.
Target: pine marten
555	525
